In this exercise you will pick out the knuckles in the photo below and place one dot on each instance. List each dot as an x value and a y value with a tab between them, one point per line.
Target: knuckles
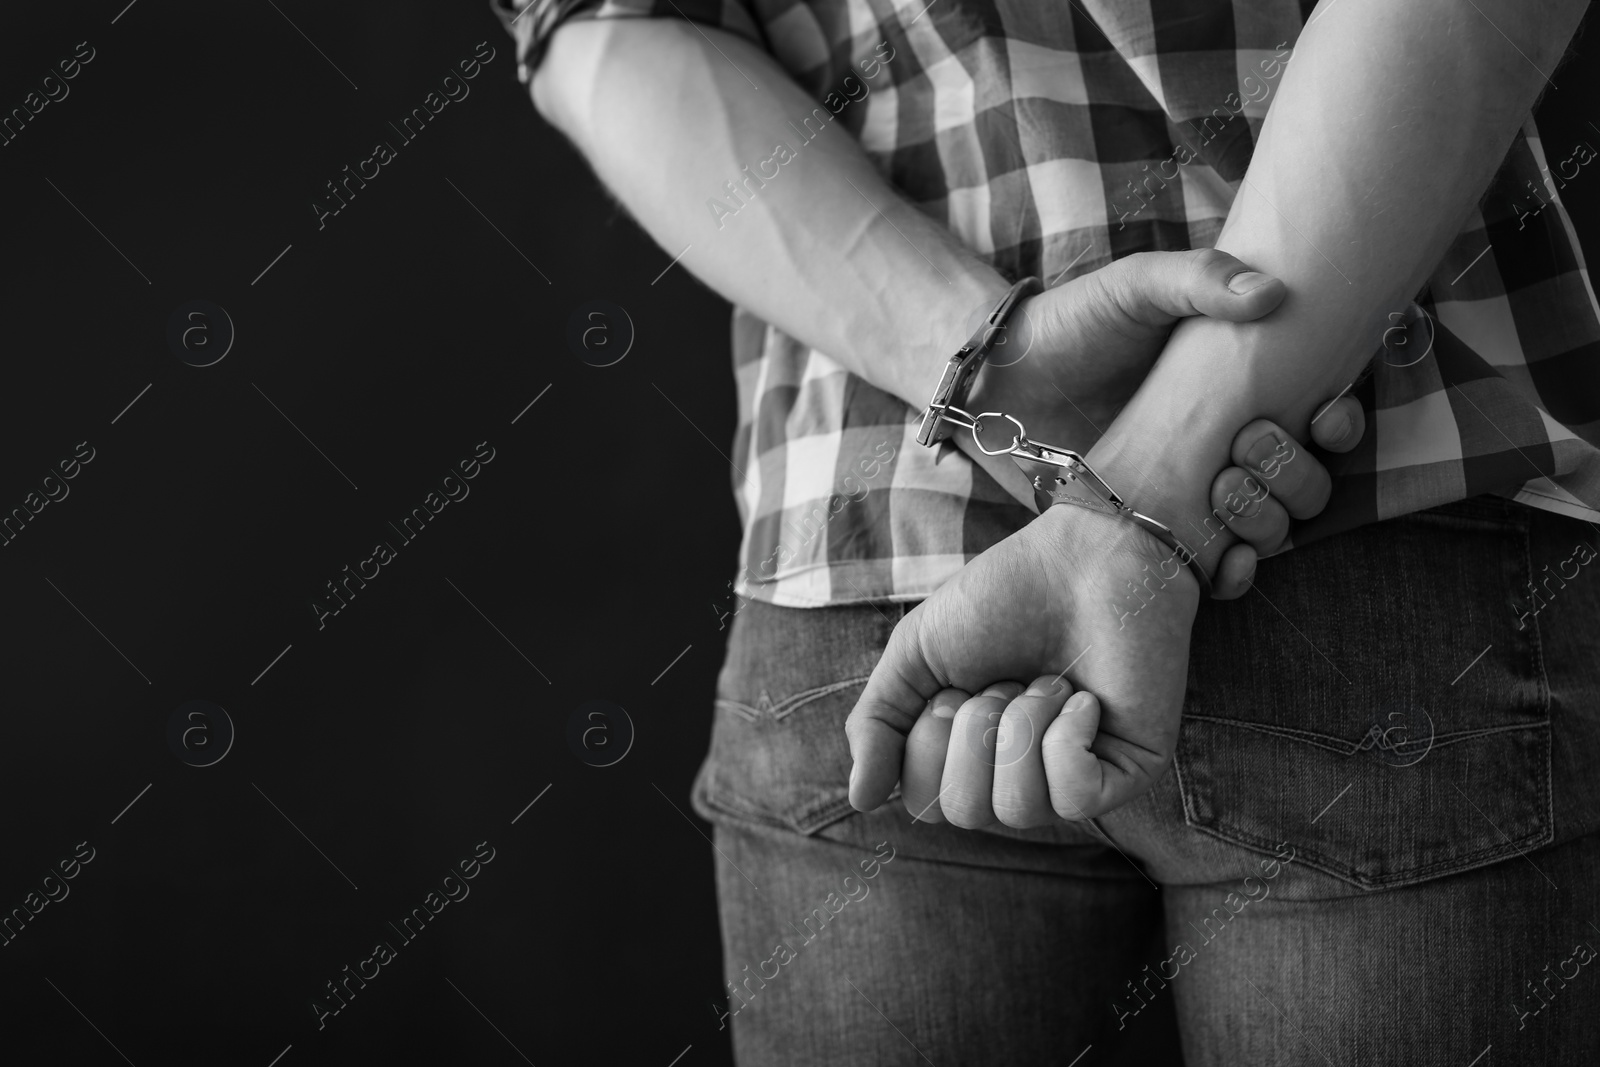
1019	816
966	810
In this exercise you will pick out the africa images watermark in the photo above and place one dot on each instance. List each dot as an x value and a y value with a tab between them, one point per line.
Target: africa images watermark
54	488
787	950
1184	154
1582	955
782	154
452	887
1582	554
36	900
52	89
200	733
1582	153
870	468
383	152
1215	923
1252	492
451	488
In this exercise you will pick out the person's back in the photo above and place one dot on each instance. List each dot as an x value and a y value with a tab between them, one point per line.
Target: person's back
1363	789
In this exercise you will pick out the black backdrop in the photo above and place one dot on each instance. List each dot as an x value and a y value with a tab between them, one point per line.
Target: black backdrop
376	748
419	721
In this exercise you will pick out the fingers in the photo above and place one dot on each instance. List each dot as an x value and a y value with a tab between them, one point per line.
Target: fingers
1073	771
1021	793
1158	287
968	785
1339	426
1244	502
1234	573
1019	757
923	770
976	760
900	687
1274	481
1292	474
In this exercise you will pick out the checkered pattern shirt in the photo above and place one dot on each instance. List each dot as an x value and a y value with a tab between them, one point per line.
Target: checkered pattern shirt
1031	128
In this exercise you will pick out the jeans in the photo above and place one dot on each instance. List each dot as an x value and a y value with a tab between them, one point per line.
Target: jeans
1376	844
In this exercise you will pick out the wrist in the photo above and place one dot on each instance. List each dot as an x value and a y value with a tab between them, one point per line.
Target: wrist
939	320
1004	382
1163	452
951	320
1031	376
1097	540
1172	485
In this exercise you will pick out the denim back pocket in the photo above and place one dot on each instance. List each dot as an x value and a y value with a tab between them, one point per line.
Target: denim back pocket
1377	702
779	755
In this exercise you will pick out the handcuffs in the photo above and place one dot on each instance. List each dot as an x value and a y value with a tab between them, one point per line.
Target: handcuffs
1058	475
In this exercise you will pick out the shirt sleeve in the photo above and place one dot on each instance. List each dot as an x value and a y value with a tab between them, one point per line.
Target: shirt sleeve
533	22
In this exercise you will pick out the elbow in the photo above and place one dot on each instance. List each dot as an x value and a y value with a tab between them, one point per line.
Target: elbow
556	80
565	81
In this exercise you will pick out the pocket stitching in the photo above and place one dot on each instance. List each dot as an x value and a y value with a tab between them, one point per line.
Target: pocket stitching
789	705
807	819
1309	737
743	710
1350	748
1231	833
1483	857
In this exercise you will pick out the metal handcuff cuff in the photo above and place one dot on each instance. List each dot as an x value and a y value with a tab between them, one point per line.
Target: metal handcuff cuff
1058	475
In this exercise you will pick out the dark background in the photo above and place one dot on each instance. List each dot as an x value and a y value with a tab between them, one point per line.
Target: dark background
590	555
408	729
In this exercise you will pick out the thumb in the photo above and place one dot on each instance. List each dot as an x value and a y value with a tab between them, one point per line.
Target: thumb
1072	770
1340	425
900	687
1157	287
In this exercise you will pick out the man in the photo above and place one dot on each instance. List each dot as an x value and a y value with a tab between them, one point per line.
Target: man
1356	796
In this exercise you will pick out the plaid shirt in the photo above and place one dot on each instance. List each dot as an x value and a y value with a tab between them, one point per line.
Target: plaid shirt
1052	138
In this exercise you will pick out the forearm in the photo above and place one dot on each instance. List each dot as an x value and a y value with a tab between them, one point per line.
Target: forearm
1391	120
822	247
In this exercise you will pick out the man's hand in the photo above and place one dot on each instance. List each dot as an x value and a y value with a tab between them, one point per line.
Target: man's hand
1094	338
1091	342
1075	593
1045	601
